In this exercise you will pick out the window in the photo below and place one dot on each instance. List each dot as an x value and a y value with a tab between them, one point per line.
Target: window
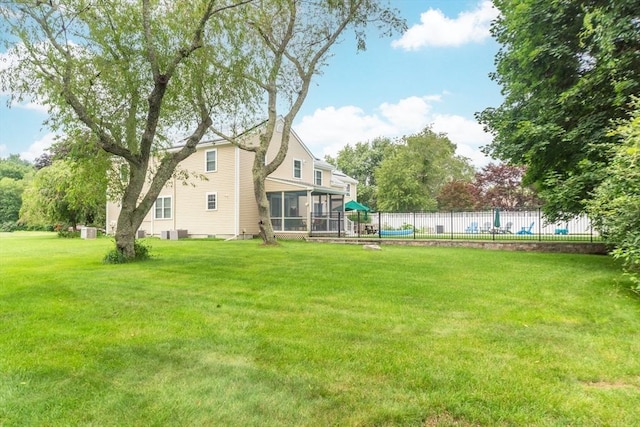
275	204
212	201
318	177
211	160
348	189
297	168
163	207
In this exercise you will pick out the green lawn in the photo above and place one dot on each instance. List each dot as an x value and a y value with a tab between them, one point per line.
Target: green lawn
235	334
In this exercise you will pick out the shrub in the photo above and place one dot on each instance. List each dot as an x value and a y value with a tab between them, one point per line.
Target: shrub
364	219
116	256
616	205
67	234
8	226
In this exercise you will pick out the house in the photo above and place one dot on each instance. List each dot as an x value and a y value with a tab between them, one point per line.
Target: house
304	194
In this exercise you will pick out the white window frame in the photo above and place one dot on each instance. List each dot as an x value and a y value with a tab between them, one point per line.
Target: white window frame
317	172
348	189
206	160
215	194
155	207
294	168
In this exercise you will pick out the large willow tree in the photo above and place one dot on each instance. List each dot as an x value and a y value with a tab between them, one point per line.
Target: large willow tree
136	74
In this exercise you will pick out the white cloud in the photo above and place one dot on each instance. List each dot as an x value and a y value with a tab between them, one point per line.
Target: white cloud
38	147
3	150
32	106
435	29
467	134
329	129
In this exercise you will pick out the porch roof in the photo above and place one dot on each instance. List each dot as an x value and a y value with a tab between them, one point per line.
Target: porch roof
308	187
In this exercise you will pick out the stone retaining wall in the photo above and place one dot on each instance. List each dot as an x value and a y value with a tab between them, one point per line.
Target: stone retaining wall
527	246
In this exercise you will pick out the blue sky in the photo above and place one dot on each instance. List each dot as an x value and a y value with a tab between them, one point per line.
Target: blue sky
435	74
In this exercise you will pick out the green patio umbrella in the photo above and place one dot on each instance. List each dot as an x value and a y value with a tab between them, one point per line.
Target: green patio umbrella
355	206
496	218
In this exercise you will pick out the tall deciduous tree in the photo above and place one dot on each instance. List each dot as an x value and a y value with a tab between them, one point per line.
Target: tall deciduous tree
360	162
67	193
132	73
15	173
412	176
501	186
285	43
459	195
567	68
15	168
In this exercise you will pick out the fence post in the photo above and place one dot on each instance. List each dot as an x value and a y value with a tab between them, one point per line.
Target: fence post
493	224
539	224
414	226
379	225
451	223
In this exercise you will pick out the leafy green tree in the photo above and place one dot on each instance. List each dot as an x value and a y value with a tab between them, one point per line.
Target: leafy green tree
134	74
10	199
412	176
360	162
567	69
615	207
67	193
15	168
15	173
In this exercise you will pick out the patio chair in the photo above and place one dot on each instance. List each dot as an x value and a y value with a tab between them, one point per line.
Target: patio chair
486	228
526	230
561	231
472	228
507	228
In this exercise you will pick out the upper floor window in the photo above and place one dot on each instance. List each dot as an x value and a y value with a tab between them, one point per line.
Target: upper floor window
211	160
348	189
163	207
297	168
212	201
318	177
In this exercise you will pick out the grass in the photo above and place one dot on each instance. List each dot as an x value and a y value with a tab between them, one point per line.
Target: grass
236	334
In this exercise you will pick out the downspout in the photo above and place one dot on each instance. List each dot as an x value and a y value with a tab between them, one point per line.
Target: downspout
309	209
236	194
175	204
106	218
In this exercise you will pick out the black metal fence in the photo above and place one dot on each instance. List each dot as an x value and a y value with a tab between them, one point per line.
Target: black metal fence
491	224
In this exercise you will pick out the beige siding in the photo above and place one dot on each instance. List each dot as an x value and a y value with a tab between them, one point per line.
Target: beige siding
248	209
296	151
113	210
190	198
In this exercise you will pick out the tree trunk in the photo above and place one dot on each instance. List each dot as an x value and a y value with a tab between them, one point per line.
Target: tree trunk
125	235
131	214
259	177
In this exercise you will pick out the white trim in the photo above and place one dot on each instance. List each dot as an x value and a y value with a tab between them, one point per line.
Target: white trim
211	193
163	207
206	162
236	192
